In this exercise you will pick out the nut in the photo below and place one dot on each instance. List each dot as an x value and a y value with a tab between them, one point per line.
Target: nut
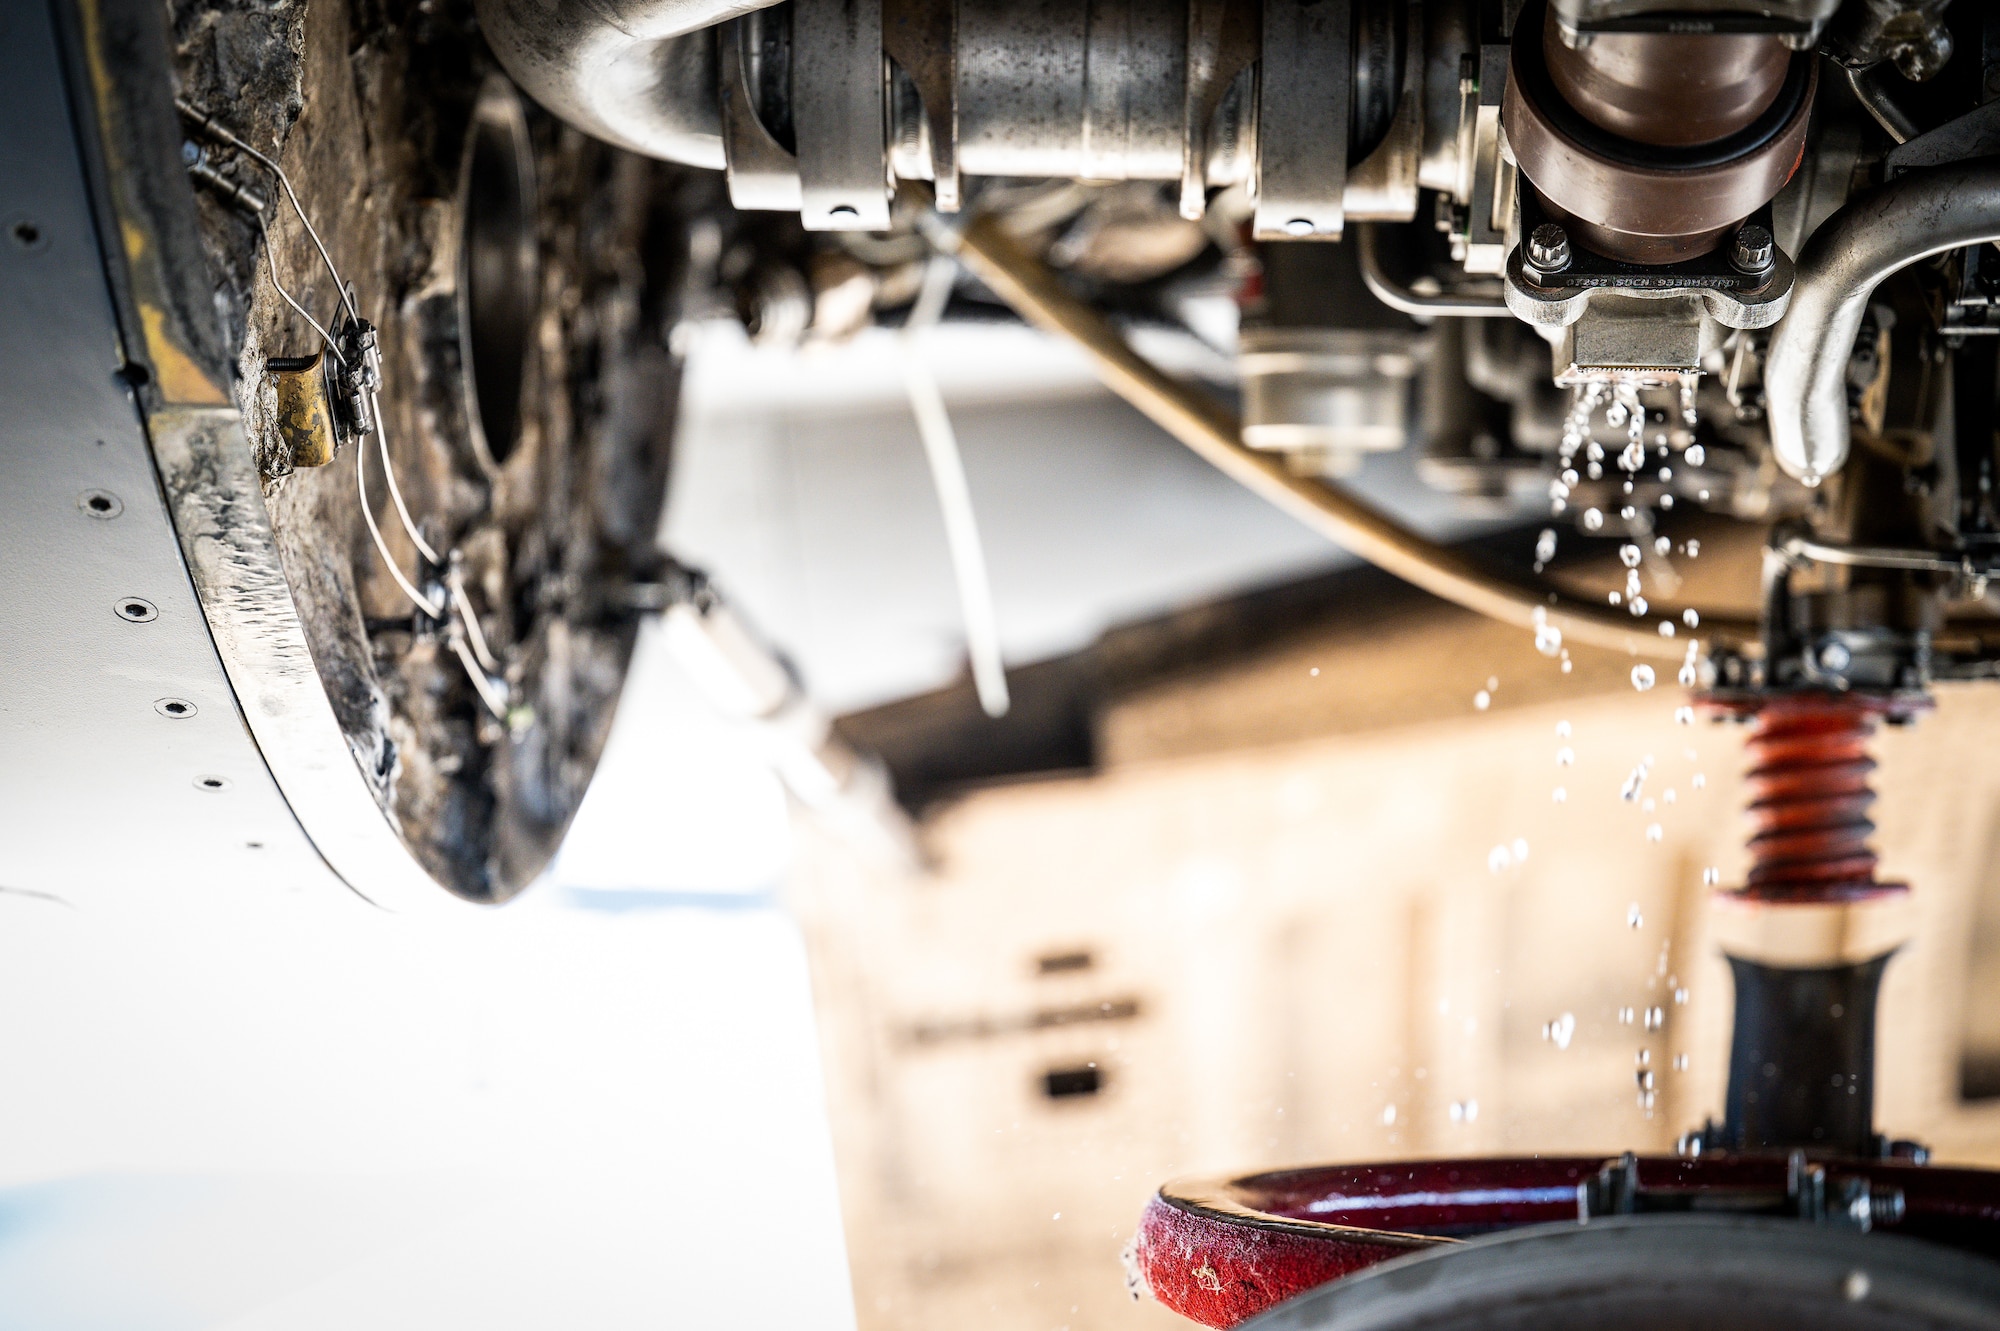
1548	248
1754	249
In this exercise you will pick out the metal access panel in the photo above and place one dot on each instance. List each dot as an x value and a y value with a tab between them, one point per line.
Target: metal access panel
126	763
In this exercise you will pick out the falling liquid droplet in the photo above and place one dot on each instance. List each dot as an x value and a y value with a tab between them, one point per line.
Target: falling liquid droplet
1666	628
1654	832
1691	617
1638	606
1482	700
1388	1115
1655	1018
1560	795
1711	876
1545	545
1548	639
1499	860
1688	675
1699	782
1592	520
1684	716
1560	1031
1634	918
1680	997
1642	677
1565	756
1625	1016
1630	555
1520	849
1562	730
1680	1062
1696	455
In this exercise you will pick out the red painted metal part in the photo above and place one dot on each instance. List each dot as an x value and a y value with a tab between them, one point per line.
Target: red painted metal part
1221	1251
1809	794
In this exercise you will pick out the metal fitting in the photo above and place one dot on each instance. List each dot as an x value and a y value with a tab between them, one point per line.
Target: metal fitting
1754	250
1548	248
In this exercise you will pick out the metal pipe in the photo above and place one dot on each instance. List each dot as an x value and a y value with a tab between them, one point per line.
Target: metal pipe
637	73
1397	296
1208	428
1877	233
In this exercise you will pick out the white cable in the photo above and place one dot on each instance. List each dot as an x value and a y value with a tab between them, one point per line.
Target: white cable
961	527
482	684
382	547
473	632
395	491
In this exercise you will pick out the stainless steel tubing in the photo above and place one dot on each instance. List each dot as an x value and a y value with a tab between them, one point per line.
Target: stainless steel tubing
637	73
1445	304
1877	233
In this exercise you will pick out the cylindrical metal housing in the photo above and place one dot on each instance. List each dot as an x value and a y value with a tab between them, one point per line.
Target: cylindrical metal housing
1078	89
1623	172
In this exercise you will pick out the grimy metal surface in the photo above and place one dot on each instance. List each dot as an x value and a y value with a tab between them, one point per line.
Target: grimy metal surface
124	760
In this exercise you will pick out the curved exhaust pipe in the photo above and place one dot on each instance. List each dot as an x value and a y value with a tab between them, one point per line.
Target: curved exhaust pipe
637	73
1879	232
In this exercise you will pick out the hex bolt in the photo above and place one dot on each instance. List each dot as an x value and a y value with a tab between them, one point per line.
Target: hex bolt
1548	248
1754	249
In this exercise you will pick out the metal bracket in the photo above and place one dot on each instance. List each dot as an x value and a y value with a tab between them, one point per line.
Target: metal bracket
1558	299
840	108
1809	1194
763	177
1303	89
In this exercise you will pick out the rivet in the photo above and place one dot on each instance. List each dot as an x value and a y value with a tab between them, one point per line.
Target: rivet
175	709
136	609
100	504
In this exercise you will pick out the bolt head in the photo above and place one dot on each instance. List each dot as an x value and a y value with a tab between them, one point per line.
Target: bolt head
1753	250
1835	657
1548	248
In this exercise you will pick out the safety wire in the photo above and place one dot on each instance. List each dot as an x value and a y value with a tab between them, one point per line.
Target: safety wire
466	638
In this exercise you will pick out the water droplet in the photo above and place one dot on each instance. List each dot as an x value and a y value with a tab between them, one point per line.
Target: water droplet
1592	519
1482	700
1388	1115
1699	782
1688	675
1634	917
1666	628
1520	849
1566	665
1656	1017
1314	672
1560	1031
1493	683
1562	730
1616	598
1691	617
1694	547
1499	860
1638	606
1632	583
1684	716
1681	997
1648	805
1654	832
1464	1111
1642	677
1625	1016
1643	1058
1810	480
1548	639
1661	545
1633	458
1560	795
1666	501
1565	756
1630	554
1711	876
1696	455
1545	545
1680	1062
1635	781
1668	796
1628	512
